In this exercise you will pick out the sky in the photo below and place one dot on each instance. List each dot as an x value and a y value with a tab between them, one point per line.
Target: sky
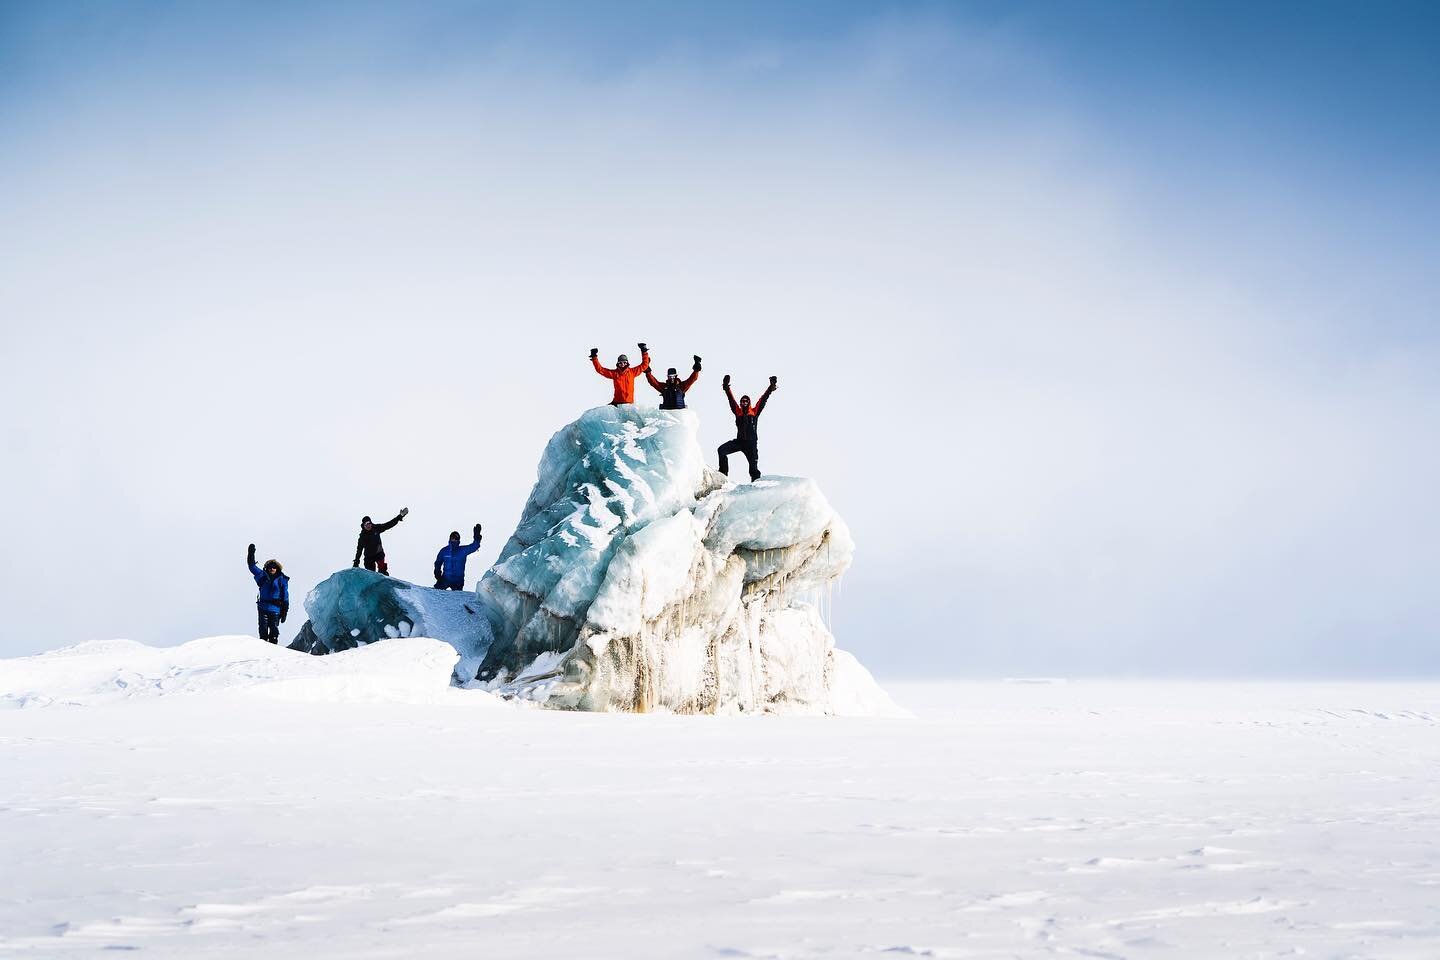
1110	328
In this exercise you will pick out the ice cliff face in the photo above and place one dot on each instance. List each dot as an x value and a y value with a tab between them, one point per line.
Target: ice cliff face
639	579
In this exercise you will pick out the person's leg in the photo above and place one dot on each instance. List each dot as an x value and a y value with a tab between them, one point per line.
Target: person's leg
752	456
380	565
370	563
727	448
264	630
275	628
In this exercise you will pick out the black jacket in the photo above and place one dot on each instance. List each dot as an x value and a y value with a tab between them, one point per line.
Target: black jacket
747	424
369	543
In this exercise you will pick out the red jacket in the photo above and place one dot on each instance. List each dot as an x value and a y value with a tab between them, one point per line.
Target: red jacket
624	379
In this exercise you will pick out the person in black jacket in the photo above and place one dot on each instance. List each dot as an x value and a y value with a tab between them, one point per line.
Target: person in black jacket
672	388
273	601
746	422
369	543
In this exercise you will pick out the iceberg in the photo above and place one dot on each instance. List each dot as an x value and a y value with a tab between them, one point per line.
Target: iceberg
354	607
638	579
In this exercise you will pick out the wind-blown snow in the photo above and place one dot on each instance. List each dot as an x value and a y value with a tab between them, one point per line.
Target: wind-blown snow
1119	820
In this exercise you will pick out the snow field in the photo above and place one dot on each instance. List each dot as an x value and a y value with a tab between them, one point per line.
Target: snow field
1009	820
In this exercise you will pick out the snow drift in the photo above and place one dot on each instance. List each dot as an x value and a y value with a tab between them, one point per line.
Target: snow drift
637	579
414	670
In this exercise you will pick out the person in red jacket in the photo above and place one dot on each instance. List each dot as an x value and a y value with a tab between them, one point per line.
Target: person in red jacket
623	375
747	422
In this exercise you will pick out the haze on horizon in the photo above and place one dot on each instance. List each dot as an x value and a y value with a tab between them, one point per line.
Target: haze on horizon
1109	328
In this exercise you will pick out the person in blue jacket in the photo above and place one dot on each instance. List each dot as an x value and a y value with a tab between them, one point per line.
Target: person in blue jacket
273	601
450	561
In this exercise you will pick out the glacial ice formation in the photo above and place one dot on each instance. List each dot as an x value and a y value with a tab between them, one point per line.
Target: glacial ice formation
356	607
638	579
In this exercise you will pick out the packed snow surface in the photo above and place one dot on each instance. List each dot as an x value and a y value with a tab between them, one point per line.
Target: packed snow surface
169	802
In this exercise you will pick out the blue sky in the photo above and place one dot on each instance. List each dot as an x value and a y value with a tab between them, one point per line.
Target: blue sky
1117	319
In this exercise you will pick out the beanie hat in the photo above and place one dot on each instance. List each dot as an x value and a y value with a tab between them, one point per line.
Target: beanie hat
670	372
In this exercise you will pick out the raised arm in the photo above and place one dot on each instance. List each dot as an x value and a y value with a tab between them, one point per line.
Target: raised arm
644	359
734	407
475	544
255	571
382	527
765	396
650	378
604	371
689	381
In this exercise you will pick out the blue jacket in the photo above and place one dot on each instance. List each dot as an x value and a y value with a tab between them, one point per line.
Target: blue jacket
450	562
274	591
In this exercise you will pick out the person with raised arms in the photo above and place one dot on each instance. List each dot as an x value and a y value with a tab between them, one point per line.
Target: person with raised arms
672	389
746	426
623	376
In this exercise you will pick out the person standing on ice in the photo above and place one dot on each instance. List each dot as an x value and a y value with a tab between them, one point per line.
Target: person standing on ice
369	543
273	601
672	391
450	561
746	420
623	375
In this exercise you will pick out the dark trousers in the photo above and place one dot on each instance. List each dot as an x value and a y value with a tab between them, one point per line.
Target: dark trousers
446	585
269	624
377	563
752	456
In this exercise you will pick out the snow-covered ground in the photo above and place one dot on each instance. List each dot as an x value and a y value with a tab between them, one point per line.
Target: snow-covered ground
227	799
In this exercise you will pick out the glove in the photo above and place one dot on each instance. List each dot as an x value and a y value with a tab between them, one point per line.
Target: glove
250	554
594	352
405	511
774	383
697	362
477	531
284	611
726	381
643	348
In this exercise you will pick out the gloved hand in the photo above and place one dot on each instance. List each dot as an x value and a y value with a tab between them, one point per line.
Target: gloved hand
250	554
594	352
726	381
437	575
284	610
405	511
477	531
774	383
643	348
697	362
